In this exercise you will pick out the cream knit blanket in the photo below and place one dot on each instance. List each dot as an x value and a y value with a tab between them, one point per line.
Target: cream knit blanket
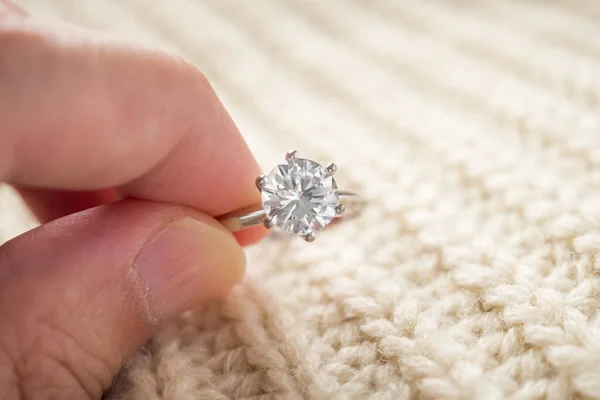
472	128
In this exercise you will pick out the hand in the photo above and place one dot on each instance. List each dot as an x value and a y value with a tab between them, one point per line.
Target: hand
116	148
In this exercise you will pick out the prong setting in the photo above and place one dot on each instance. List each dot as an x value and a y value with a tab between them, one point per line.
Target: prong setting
260	181
291	154
331	168
309	237
268	223
302	209
340	209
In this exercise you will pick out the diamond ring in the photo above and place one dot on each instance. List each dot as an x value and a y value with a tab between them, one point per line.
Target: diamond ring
299	196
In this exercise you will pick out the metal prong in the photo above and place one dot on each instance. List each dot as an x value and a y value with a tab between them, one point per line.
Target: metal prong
260	181
268	223
339	210
291	154
310	237
331	168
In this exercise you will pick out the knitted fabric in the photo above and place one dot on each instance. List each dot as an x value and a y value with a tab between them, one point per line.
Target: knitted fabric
473	130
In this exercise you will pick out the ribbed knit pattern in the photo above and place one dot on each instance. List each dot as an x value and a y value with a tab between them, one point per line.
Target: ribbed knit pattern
473	128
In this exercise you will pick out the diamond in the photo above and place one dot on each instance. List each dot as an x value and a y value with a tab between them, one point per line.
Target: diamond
300	196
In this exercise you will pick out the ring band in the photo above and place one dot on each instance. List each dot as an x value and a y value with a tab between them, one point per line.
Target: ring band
299	196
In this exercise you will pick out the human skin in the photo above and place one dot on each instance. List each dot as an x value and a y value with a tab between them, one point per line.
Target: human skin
126	155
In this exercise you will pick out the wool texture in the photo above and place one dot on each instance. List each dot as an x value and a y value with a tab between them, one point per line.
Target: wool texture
472	128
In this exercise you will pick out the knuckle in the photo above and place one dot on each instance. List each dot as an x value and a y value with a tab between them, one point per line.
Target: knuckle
46	361
9	387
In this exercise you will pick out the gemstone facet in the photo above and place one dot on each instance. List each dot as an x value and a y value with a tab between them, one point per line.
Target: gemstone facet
300	196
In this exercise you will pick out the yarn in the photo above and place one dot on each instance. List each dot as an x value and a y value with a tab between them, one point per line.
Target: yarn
473	130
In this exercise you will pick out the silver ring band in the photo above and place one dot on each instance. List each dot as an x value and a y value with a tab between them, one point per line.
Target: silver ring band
255	215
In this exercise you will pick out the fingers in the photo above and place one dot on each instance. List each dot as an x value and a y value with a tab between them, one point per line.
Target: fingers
80	294
48	204
70	110
81	111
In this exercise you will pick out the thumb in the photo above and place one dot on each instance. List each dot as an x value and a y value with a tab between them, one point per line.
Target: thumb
80	294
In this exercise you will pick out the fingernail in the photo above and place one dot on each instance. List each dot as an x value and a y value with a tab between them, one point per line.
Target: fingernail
187	262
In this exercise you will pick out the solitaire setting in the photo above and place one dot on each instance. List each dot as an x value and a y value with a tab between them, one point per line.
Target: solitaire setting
299	196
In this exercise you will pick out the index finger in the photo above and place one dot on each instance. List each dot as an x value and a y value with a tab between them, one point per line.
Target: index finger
82	111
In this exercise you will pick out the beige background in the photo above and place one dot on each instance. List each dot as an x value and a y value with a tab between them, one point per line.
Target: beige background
472	127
